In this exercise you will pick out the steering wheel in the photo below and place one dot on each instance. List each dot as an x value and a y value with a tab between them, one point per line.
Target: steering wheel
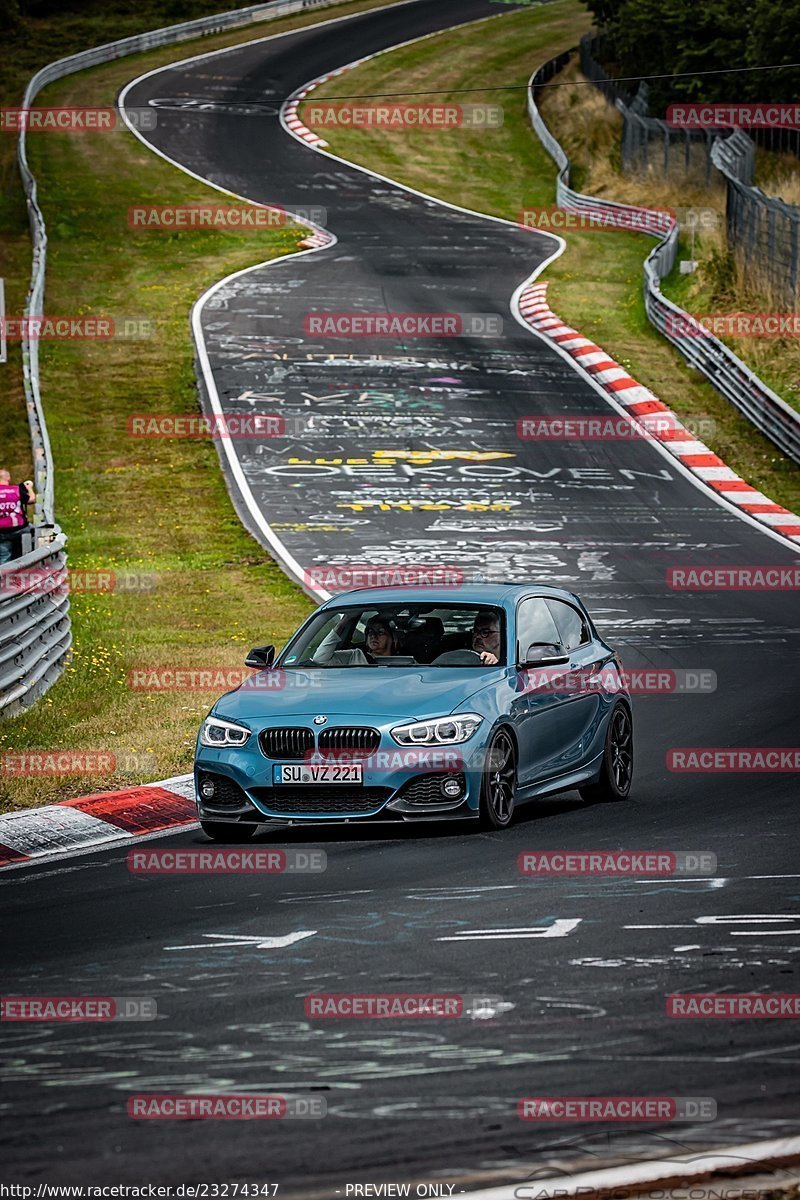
457	658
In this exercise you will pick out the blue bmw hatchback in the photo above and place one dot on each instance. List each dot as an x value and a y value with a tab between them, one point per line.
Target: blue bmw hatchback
415	704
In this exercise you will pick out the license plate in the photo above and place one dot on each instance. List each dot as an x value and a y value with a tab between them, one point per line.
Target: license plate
319	773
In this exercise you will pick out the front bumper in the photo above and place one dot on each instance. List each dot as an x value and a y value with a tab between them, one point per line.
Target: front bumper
244	791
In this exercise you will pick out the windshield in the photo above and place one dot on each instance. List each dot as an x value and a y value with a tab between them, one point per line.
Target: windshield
409	635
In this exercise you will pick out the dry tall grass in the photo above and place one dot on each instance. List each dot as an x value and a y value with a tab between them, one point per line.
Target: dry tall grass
778	175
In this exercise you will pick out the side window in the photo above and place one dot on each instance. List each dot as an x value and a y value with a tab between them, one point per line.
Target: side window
571	625
534	624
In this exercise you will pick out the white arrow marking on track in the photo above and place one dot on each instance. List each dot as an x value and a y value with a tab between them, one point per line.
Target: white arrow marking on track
256	942
559	928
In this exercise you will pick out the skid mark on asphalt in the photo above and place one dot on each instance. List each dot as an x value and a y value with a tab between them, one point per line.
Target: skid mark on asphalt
273	1053
469	894
323	897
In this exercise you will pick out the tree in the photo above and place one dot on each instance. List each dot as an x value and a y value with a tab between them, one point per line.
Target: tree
701	43
9	16
774	38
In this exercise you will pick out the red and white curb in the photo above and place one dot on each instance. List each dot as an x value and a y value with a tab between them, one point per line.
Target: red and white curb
292	120
296	125
653	416
320	237
96	821
317	240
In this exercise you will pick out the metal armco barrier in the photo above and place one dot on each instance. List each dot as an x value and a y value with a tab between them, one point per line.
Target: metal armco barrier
729	375
35	635
35	632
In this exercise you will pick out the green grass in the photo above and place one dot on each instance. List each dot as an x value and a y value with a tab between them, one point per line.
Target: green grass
133	504
596	285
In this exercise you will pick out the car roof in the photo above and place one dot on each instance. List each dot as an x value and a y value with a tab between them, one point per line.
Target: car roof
463	593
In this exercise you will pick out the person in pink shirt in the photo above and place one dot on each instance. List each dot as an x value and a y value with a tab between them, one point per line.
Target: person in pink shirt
14	501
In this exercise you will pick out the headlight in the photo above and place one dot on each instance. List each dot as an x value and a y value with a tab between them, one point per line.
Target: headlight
222	733
441	731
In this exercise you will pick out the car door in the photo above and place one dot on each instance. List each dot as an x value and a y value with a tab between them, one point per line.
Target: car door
542	731
580	700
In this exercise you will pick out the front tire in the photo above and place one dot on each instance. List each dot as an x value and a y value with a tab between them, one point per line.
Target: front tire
616	773
224	831
499	782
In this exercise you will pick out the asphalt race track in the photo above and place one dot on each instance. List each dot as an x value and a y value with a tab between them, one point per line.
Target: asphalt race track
581	967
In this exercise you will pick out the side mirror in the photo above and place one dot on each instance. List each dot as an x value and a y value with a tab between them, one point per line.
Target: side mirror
545	654
262	657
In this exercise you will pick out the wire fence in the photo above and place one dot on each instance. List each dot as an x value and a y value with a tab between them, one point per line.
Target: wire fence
763	231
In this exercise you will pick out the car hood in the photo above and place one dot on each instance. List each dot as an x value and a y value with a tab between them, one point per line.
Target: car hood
370	693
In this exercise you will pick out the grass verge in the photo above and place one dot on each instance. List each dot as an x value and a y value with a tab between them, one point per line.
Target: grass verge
596	285
128	505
